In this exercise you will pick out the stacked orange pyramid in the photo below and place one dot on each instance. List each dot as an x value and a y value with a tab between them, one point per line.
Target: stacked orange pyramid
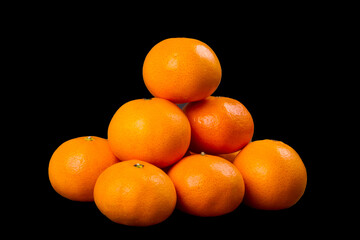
158	157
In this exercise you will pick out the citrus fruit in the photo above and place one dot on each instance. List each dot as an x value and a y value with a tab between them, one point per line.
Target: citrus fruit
207	185
135	193
76	164
152	130
219	125
274	174
229	156
181	70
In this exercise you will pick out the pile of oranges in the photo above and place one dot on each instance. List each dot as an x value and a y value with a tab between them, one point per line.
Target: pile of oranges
158	157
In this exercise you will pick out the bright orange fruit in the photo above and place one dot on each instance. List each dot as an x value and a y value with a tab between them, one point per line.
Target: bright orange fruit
76	164
207	185
219	125
274	174
181	70
152	130
135	193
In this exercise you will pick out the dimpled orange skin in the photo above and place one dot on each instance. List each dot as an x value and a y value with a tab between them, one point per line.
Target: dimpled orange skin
274	174
207	185
219	125
152	130
76	164
135	193
181	70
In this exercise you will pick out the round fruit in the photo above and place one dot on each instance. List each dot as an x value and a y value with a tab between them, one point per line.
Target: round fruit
181	70
219	125
76	164
207	185
274	174
152	130
135	193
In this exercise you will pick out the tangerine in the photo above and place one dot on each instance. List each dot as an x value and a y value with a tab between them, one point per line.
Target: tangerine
219	125
274	174
229	156
152	130
181	70
76	164
135	193
207	185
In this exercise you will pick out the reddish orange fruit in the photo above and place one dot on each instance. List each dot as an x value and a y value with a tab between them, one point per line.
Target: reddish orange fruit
181	70
207	185
152	130
219	125
274	174
135	193
76	164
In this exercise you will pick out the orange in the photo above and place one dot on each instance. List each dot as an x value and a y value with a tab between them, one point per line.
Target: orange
207	185
219	125
135	193
76	164
274	174
230	156
152	130
181	70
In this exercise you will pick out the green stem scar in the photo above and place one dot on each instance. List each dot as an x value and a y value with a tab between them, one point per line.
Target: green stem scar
138	165
89	138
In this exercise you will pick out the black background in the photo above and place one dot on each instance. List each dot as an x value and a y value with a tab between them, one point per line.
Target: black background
81	69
